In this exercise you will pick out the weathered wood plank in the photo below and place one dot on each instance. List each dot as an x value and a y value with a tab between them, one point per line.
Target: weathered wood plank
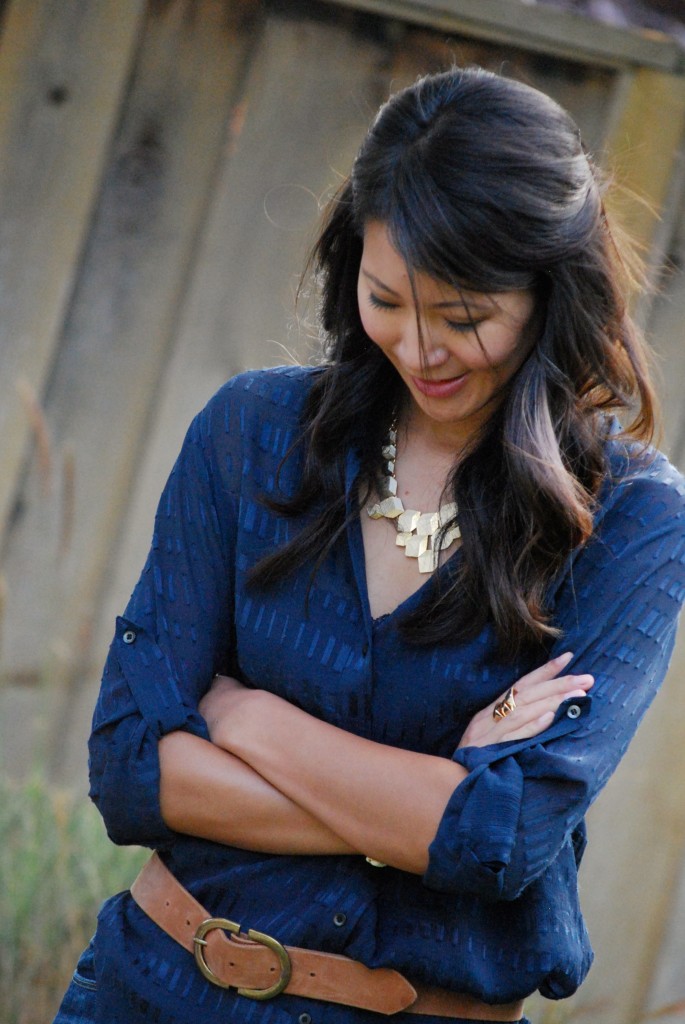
637	832
63	70
122	317
642	149
637	828
662	977
310	93
585	92
667	331
534	27
668	988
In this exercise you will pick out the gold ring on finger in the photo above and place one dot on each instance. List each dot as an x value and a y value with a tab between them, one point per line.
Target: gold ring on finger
505	706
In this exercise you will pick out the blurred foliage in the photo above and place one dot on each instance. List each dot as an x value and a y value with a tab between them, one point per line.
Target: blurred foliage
56	867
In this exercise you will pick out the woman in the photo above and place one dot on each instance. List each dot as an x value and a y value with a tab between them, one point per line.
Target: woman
404	570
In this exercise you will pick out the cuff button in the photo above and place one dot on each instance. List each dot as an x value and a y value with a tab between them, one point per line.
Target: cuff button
573	711
339	920
129	636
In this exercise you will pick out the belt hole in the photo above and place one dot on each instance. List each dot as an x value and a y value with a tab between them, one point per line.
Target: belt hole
188	923
312	974
166	903
231	964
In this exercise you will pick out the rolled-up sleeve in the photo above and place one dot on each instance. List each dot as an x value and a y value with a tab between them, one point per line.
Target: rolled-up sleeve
618	608
176	631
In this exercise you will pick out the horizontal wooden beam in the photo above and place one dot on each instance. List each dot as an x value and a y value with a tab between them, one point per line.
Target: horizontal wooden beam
536	27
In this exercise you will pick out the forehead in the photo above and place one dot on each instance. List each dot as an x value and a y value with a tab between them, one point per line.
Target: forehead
382	263
384	267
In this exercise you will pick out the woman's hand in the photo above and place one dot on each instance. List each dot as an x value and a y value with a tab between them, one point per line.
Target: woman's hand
224	700
537	697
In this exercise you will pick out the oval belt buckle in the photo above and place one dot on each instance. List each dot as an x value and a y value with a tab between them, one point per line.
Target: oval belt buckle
211	924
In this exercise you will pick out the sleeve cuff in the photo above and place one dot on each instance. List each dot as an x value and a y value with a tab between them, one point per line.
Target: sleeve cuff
477	832
474	849
152	683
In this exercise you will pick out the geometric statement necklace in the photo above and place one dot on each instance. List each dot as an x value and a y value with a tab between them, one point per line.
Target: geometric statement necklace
417	532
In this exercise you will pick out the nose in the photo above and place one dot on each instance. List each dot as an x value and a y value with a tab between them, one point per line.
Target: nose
418	351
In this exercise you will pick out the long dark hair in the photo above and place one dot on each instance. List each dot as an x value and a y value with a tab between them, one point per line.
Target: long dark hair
482	182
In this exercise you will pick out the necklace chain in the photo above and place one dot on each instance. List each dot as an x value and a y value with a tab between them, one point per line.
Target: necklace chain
417	532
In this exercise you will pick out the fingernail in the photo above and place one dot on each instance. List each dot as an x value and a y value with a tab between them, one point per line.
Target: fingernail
573	693
563	659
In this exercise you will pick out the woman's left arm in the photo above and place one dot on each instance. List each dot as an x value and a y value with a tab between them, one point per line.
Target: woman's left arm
618	607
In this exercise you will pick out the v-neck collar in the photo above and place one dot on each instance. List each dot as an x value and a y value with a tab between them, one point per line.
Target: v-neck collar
355	543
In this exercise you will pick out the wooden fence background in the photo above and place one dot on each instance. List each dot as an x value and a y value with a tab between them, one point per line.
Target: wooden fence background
162	167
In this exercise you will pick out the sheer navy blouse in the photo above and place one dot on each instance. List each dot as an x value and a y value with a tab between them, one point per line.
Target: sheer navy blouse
497	912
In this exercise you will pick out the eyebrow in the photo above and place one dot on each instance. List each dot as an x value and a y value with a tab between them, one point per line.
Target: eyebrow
472	304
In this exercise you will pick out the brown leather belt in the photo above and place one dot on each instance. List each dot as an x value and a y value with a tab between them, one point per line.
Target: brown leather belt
260	967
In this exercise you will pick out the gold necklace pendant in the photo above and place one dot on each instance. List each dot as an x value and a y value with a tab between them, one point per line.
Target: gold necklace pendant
419	533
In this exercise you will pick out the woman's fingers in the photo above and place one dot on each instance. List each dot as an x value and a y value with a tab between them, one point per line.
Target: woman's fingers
549	670
548	690
527	727
528	716
529	707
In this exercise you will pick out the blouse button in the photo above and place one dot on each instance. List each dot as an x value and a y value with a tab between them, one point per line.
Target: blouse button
573	711
339	920
129	636
304	1018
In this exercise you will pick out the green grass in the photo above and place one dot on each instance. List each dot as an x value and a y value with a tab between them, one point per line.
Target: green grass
56	867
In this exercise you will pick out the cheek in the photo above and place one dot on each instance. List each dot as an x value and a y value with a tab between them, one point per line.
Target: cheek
506	351
376	326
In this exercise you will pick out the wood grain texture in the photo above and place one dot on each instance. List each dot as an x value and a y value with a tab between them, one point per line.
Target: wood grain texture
63	72
630	877
667	991
539	28
310	93
116	336
642	149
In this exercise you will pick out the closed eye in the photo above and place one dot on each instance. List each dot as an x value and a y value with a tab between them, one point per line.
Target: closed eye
380	303
459	326
463	326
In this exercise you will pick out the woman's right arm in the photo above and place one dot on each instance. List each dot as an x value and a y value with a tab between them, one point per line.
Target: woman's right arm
207	792
153	771
177	629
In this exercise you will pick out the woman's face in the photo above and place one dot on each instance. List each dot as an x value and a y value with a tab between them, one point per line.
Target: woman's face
473	342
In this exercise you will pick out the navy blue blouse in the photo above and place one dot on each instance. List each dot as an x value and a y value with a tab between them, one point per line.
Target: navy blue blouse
497	912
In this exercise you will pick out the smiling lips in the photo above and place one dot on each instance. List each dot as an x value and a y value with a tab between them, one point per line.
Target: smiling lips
440	388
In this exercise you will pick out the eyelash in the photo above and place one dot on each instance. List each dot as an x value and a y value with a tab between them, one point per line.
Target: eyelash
458	326
463	326
379	303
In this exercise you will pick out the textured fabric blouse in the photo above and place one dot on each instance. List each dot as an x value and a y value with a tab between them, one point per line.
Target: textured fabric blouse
497	913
